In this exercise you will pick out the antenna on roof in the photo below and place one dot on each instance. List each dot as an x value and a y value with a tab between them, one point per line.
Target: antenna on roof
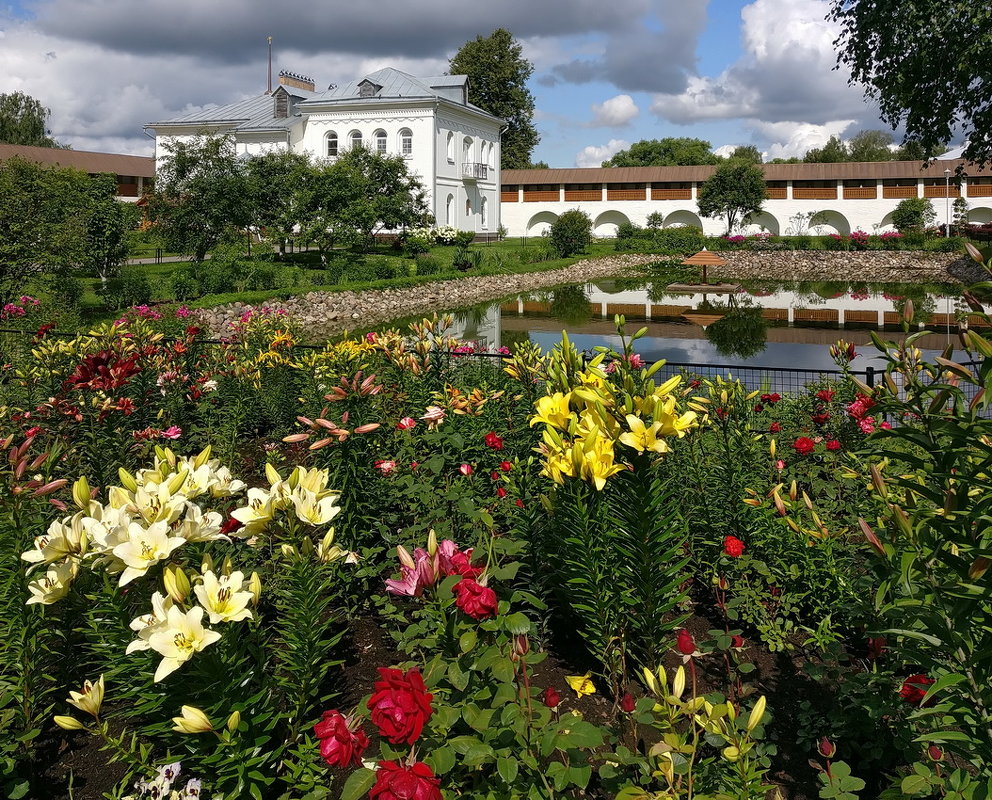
268	85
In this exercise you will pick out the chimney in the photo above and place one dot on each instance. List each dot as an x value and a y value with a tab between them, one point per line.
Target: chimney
296	81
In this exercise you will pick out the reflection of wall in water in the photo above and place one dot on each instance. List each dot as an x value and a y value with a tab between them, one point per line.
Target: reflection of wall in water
478	324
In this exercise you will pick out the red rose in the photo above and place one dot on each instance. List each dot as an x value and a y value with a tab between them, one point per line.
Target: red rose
684	643
340	746
550	697
737	642
501	492
774	428
821	418
519	503
506	466
494	441
914	688
804	445
400	705
833	444
759	408
627	704
398	782
476	600
494	476
732	546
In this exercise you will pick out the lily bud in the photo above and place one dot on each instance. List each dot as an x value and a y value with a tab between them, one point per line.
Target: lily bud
202	458
127	480
649	679
233	721
289	551
227	567
272	474
255	587
757	713
978	568
177	481
431	543
68	723
176	583
678	683
405	558
81	493
192	721
771	448
206	563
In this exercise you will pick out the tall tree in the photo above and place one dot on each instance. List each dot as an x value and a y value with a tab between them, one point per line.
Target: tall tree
497	74
925	64
871	146
108	224
669	152
833	152
748	152
734	191
201	193
23	120
273	181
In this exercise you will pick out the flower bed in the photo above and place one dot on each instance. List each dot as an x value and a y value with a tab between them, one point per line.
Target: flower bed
260	570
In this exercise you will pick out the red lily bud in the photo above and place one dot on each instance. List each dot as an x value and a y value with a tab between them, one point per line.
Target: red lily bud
826	748
627	703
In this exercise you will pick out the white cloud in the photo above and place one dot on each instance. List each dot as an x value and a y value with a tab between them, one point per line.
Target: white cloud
594	156
793	139
615	112
786	72
726	150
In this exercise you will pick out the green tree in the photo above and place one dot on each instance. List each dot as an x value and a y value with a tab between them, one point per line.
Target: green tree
497	74
571	233
734	191
740	333
201	193
926	66
748	152
43	223
914	214
23	120
680	151
108	224
871	146
273	181
833	152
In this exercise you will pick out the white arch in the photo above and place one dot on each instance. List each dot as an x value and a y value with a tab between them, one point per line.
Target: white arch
450	147
980	216
886	223
607	222
449	210
762	221
682	218
540	222
833	220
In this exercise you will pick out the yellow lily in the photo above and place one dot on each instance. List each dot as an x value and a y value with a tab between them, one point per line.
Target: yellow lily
223	597
90	699
144	548
553	410
192	720
581	684
642	437
182	636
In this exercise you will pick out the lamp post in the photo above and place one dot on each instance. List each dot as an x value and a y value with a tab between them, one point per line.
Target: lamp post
947	204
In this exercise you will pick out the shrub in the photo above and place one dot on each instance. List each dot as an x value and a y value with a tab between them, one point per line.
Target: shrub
425	264
415	244
948	245
464	238
679	240
130	288
571	233
655	220
465	259
382	268
184	284
913	214
801	242
836	241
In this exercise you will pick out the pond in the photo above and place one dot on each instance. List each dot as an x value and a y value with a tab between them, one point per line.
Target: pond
766	324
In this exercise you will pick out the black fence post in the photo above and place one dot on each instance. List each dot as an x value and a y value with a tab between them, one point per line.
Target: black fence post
870	376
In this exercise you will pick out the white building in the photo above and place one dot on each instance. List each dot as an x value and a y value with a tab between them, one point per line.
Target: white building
846	197
450	144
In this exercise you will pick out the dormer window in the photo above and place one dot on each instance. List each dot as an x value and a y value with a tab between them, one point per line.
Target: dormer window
368	89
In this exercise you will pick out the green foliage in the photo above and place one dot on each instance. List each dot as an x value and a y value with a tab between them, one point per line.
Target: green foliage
890	48
734	191
747	152
571	233
24	121
913	215
498	74
834	151
672	151
740	333
108	227
130	287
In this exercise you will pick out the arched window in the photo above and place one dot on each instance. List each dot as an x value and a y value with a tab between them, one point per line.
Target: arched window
406	142
467	150
468	206
451	147
379	137
484	209
492	155
355	137
332	145
449	210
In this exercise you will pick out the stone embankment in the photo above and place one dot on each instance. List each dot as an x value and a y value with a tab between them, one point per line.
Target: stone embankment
329	313
325	314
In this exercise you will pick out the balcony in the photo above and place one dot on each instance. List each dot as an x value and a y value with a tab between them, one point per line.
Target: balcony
979	190
860	192
814	193
474	171
940	190
671	194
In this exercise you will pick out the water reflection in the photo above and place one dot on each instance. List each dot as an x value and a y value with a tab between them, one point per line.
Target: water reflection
764	324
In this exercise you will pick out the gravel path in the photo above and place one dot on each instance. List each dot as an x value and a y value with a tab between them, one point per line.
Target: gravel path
325	314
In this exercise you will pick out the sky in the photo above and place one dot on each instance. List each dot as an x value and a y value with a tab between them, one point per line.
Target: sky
606	75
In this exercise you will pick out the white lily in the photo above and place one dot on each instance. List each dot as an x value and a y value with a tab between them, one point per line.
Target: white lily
313	509
223	598
144	548
182	636
147	624
53	585
257	514
201	526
